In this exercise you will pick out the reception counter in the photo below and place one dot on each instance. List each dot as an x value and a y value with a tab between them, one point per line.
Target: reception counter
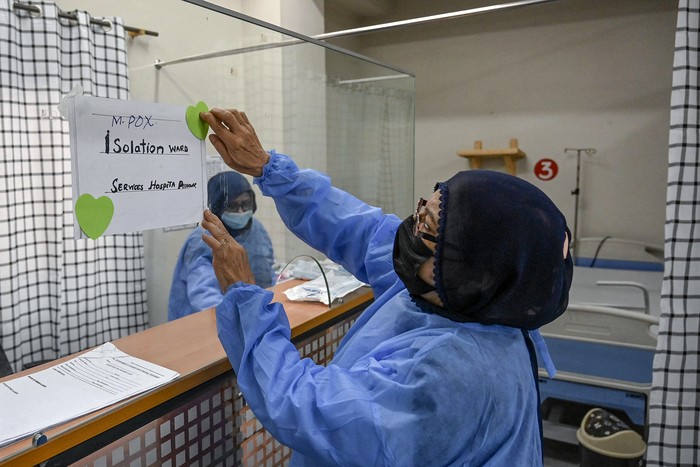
200	418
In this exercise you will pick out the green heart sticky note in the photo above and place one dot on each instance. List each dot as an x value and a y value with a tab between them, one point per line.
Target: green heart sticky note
94	215
197	126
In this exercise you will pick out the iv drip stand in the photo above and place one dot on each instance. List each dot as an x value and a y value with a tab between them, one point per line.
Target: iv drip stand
577	190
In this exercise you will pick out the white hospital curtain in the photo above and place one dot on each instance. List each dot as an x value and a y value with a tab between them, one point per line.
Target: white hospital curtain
358	133
674	406
369	136
57	295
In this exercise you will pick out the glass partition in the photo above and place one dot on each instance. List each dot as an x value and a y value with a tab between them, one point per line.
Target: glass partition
329	109
347	116
343	114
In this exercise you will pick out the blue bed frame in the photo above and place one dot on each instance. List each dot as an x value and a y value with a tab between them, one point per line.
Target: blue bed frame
604	358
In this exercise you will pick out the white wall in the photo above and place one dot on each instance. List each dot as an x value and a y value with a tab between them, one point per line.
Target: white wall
568	74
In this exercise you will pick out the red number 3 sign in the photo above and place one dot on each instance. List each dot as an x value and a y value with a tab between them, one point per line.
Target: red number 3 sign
546	169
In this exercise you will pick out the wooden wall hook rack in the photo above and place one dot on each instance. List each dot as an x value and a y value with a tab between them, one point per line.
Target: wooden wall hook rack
478	154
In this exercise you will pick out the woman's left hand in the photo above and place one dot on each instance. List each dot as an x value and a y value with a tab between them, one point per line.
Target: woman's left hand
230	260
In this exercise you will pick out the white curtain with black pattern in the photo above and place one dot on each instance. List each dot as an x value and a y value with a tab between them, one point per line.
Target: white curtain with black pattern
369	139
674	406
57	295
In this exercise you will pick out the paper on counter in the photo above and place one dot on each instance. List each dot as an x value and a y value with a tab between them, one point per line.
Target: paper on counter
65	391
339	285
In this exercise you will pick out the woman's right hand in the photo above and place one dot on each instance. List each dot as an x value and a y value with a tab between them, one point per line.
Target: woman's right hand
235	140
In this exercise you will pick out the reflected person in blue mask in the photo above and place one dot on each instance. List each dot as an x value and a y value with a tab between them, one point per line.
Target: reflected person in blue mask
194	286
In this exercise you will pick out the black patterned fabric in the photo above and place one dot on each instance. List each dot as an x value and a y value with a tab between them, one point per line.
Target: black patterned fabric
674	406
57	295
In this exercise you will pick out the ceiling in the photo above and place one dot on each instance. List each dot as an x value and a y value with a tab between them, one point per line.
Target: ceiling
366	8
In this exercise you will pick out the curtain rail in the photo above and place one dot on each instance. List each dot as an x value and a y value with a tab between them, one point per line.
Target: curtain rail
369	80
430	19
362	30
71	16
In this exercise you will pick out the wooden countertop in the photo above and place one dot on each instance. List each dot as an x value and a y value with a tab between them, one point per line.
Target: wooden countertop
191	347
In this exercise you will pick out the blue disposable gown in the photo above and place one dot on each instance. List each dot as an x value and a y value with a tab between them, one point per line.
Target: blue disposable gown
405	387
195	287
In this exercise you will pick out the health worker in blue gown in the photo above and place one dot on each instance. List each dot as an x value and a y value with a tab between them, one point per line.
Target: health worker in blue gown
441	368
194	286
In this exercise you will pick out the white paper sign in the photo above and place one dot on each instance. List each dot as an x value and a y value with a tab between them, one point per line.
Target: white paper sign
135	165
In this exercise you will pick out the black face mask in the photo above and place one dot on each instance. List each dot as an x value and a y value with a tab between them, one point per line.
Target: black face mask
409	253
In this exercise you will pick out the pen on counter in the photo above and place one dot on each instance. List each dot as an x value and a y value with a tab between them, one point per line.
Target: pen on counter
39	438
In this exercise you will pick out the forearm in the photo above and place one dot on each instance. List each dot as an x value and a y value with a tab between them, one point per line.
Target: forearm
298	402
326	218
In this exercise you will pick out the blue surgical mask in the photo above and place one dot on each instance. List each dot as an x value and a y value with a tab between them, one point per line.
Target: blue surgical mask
236	220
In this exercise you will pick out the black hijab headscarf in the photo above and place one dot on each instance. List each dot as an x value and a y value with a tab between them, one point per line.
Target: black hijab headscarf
500	252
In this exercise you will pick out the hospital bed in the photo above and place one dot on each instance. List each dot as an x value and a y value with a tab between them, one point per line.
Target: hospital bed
634	290
604	358
618	253
603	345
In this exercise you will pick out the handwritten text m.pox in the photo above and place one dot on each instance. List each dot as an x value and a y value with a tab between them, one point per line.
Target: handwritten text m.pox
133	121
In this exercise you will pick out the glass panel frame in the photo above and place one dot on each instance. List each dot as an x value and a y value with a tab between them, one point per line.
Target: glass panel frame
330	109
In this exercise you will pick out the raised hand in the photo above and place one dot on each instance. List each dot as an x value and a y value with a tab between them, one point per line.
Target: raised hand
235	140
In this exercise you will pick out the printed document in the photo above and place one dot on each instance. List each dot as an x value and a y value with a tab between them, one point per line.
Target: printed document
91	381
